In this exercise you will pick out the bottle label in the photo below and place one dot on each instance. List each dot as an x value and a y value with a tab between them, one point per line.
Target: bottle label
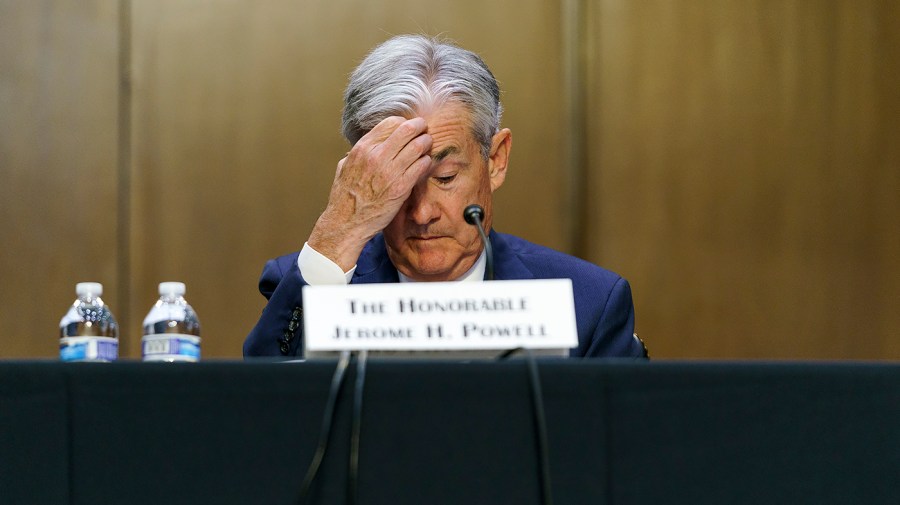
88	349
170	347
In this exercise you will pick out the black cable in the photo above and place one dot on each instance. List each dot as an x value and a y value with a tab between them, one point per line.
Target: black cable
327	422
540	424
540	421
509	352
353	471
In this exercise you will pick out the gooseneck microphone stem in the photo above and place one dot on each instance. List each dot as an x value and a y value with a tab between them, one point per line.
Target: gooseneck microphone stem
488	253
474	214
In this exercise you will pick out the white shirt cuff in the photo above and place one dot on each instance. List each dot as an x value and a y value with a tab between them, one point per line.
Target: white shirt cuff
317	269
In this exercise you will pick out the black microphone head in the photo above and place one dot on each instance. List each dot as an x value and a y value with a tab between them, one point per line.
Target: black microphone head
473	214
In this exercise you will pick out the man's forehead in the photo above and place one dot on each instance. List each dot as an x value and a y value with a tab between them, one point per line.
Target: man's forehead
450	128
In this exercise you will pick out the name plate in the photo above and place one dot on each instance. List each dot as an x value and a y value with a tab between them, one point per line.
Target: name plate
440	316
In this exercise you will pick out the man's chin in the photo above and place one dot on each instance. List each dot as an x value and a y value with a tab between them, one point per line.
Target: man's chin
432	267
430	272
430	261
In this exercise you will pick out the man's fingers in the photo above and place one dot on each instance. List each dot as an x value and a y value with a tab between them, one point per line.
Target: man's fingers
412	152
387	151
417	171
405	132
387	171
382	131
394	137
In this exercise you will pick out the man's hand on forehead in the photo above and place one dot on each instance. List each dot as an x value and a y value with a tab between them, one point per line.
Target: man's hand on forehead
399	142
370	185
388	126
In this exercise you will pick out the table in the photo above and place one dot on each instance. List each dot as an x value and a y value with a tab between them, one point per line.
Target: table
619	432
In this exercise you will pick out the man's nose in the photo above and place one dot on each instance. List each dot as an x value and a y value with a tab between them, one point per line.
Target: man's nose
422	207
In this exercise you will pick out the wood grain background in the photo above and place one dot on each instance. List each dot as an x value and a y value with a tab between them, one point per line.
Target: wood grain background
737	161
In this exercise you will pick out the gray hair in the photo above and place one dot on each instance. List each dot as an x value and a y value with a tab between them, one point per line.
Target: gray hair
411	71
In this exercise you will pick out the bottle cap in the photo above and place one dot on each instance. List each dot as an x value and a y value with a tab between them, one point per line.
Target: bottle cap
171	288
89	288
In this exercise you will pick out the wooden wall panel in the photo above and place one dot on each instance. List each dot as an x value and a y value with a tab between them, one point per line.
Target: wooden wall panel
235	132
742	157
744	173
58	178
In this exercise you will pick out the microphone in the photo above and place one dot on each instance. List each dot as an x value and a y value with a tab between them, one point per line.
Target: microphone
474	214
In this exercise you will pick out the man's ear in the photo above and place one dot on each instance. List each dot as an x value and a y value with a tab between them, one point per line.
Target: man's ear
501	145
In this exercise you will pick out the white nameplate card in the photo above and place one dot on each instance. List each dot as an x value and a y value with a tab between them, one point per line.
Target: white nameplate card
440	316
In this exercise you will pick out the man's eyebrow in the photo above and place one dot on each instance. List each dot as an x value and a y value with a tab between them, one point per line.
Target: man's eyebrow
447	151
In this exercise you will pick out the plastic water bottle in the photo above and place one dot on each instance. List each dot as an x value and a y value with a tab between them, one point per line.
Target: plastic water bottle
88	331
171	329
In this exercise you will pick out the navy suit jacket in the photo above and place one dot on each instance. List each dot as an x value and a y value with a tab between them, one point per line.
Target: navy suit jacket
604	311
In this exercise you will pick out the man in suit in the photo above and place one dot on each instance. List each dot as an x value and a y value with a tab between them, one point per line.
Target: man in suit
423	119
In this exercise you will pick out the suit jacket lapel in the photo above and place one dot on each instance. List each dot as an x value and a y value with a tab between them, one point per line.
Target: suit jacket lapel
374	265
507	265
